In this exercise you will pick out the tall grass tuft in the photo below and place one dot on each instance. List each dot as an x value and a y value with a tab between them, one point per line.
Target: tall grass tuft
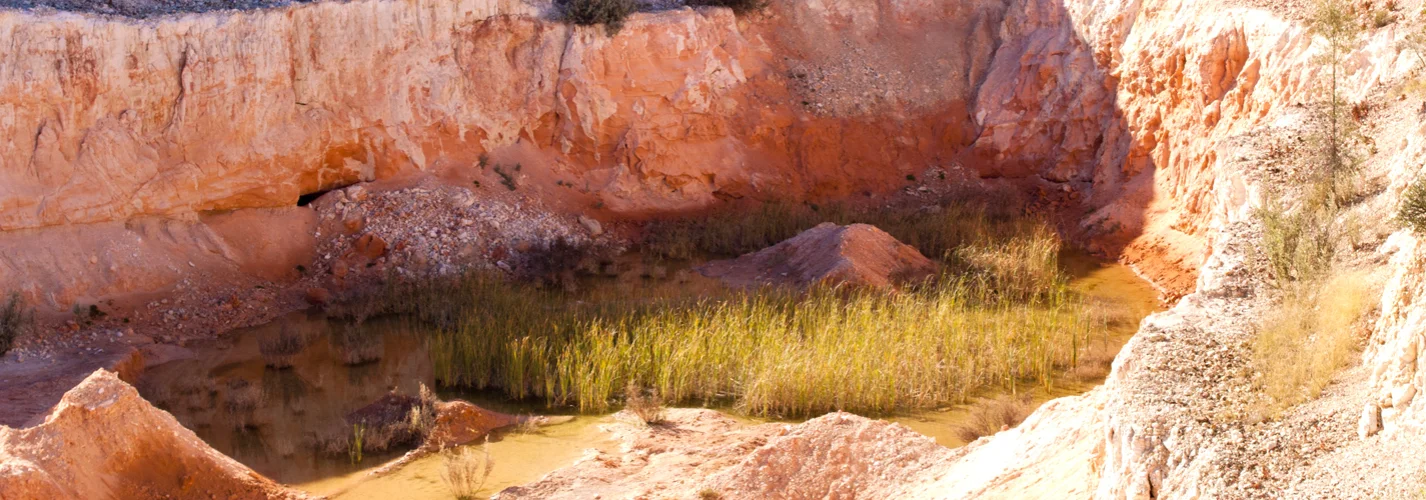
278	352
15	318
466	469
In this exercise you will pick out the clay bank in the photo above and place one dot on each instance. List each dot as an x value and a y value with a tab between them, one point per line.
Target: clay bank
713	249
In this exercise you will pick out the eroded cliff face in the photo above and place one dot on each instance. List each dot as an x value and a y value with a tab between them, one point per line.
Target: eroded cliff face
1100	107
110	118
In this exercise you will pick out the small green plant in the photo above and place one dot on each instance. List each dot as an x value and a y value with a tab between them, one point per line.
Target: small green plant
610	13
466	470
739	6
1299	243
709	494
1412	213
358	435
484	160
15	319
86	316
1381	18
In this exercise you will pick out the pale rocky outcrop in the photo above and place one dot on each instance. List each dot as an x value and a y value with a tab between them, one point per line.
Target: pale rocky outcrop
104	441
1395	350
857	254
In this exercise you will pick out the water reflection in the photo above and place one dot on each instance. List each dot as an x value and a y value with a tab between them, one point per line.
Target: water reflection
270	403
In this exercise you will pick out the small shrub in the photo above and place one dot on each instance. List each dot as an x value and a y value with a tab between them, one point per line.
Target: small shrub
610	13
647	408
709	494
1382	17
242	401
739	6
1412	213
994	416
1298	244
15	319
466	470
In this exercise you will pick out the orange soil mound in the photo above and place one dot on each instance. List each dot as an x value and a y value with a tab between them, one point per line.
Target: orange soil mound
858	254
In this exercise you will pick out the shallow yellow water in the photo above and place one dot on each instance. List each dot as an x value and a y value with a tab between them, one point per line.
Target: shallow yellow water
517	458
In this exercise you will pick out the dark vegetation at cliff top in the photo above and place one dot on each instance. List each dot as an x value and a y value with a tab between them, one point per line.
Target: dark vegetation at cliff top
144	8
582	12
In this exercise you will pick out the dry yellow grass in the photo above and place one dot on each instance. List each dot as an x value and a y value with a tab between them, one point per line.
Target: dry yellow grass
995	415
1310	336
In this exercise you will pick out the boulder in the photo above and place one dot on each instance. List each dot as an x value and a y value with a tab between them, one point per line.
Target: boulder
105	441
858	254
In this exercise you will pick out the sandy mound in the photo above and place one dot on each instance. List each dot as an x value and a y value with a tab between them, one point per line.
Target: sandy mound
698	452
104	441
858	254
839	455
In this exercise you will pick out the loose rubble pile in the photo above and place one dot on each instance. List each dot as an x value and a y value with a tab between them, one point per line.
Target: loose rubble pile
433	229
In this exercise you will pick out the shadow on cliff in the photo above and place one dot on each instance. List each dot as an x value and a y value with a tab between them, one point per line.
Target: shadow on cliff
1050	123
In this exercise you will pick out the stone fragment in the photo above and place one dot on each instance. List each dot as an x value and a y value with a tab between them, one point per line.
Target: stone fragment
371	246
1370	422
595	229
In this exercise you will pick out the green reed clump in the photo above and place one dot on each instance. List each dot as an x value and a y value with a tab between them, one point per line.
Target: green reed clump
1001	315
768	352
